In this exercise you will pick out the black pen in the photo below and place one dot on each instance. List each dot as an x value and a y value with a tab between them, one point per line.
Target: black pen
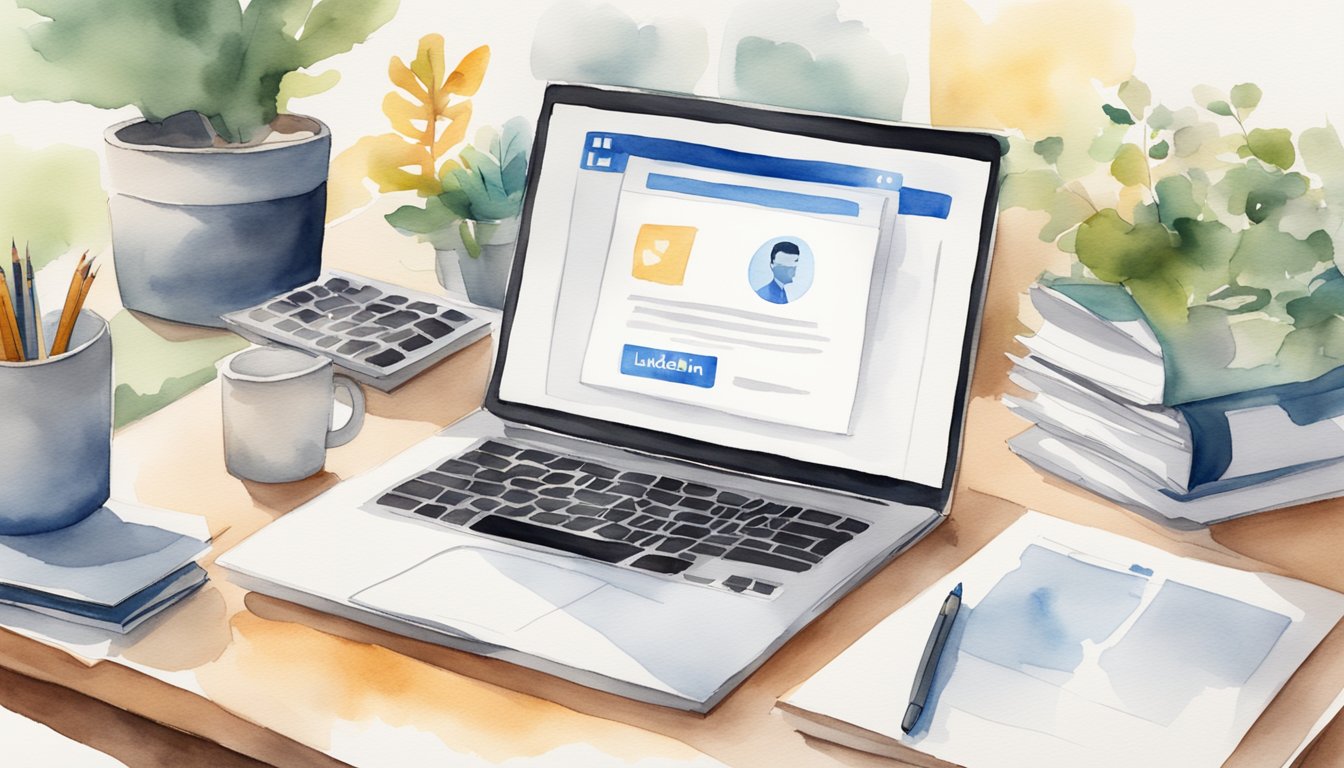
928	663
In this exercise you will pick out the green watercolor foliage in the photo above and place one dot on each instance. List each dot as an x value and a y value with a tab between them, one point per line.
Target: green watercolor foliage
52	200
152	371
801	54
1227	235
670	55
486	183
170	56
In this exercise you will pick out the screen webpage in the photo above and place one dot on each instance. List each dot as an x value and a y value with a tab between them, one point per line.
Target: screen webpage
737	293
748	288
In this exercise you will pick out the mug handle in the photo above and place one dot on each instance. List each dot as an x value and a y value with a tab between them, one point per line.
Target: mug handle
347	431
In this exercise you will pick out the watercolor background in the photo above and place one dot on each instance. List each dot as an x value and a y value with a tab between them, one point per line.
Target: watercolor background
1036	67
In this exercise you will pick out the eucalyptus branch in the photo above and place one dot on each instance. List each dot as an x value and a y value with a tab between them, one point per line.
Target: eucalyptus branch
1148	166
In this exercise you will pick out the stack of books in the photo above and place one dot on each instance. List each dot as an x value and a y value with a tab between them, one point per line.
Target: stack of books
1096	380
113	570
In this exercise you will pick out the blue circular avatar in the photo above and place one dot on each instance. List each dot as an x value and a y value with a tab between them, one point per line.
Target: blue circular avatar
781	270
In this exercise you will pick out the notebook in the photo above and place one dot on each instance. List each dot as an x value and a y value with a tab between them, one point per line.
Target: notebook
1074	646
730	382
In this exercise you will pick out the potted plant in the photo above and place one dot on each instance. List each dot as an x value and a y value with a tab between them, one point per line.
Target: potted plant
471	202
217	198
1227	235
474	220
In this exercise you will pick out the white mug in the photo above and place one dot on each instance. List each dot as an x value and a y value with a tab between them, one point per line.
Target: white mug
278	405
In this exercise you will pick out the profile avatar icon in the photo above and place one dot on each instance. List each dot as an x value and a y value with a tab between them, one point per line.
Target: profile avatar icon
781	270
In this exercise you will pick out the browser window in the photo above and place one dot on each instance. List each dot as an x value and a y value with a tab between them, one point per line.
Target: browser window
754	289
737	292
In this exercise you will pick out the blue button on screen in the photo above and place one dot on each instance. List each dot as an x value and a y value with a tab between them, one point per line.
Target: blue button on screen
667	365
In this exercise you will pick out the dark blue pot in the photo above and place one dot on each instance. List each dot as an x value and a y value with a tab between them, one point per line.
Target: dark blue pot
201	231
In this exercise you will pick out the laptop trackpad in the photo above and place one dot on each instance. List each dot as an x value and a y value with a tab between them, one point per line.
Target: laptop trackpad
477	592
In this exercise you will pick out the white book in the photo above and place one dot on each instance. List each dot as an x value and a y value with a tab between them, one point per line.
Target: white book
1189	447
1120	355
1119	482
1160	419
1074	646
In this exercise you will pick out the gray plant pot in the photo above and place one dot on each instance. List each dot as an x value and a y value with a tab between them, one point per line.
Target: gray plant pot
485	277
57	432
198	231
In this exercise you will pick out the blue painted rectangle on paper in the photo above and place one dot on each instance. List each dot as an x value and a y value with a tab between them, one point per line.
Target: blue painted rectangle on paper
1038	617
1189	641
668	365
770	198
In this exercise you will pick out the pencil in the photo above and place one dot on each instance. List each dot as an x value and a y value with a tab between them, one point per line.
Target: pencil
9	338
20	303
84	290
40	333
69	311
30	300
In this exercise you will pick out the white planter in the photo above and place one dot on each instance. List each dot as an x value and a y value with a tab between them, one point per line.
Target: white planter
198	231
485	277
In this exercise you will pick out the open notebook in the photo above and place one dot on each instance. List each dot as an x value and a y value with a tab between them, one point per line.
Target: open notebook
1074	647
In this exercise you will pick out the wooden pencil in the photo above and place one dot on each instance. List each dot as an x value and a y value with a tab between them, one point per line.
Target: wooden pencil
37	310
9	335
70	311
18	301
88	284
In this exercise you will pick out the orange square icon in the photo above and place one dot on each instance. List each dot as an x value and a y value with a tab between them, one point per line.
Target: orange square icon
662	252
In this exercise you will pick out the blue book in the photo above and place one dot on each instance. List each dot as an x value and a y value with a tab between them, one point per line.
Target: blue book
122	617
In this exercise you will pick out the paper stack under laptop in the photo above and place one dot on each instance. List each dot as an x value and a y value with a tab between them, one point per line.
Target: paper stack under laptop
113	570
1074	646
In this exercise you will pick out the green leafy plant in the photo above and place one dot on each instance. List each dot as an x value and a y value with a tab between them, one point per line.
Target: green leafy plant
1226	234
486	185
234	65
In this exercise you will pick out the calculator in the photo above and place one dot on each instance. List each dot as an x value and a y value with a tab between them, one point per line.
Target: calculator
378	333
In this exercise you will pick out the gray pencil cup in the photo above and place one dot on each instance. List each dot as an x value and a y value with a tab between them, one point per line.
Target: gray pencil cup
56	431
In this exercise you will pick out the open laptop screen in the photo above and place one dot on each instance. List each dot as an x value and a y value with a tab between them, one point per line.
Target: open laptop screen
788	295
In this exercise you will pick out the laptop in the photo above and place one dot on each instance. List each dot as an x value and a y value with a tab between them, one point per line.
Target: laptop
729	385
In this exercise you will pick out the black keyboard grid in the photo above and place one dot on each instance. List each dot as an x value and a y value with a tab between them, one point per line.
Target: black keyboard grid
358	324
646	522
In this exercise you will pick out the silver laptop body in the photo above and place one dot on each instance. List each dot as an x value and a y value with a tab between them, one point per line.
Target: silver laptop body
780	307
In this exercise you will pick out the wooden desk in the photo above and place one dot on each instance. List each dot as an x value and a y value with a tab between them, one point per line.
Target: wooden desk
289	686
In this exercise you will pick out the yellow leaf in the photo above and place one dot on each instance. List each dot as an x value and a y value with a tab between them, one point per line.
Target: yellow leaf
428	65
398	180
467	76
345	182
402	77
430	109
403	113
458	116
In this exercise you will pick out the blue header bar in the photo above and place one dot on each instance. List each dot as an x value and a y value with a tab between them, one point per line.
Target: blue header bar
610	152
769	198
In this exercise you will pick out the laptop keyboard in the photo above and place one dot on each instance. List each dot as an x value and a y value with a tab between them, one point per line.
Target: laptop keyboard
645	522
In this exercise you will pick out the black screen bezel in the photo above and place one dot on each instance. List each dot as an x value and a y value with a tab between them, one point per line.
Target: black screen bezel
975	146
